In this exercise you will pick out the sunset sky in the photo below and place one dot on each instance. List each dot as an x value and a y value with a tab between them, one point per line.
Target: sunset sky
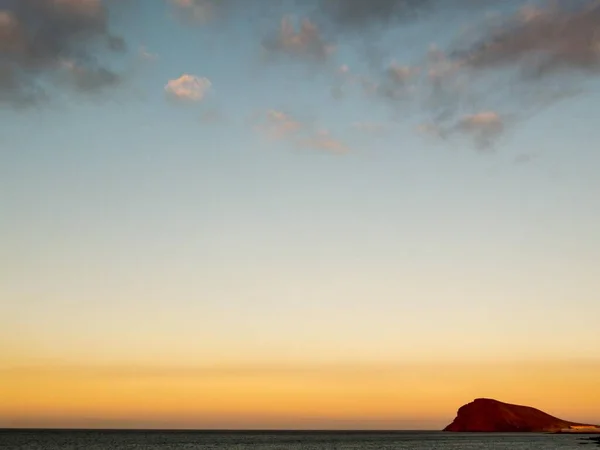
297	214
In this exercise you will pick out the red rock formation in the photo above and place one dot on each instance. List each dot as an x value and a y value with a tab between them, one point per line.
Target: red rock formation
487	415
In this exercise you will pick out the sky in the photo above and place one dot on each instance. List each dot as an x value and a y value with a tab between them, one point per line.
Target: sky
320	214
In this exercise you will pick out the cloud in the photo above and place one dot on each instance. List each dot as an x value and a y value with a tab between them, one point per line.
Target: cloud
89	79
146	54
563	36
279	125
344	15
360	14
345	78
325	142
38	36
195	11
343	69
396	82
524	158
534	59
188	88
432	129
483	128
16	91
305	42
204	12
342	77
370	127
401	74
11	38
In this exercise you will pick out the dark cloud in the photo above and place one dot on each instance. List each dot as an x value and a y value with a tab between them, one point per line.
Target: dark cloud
358	14
53	41
543	40
87	79
346	14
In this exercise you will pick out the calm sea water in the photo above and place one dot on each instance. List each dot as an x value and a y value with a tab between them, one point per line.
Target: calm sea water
176	440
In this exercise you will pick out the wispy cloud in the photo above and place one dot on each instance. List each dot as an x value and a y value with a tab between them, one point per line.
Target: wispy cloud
483	128
431	130
370	127
524	158
558	38
397	79
279	125
305	41
442	86
146	54
345	79
543	40
194	11
324	141
68	43
188	88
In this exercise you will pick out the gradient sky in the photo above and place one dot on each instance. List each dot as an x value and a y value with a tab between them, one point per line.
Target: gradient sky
225	219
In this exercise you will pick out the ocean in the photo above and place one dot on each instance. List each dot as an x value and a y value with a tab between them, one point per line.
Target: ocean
294	440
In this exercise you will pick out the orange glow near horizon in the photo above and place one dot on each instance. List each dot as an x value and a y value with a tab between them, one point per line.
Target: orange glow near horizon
413	396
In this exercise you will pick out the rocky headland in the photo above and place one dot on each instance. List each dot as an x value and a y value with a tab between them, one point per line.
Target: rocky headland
492	416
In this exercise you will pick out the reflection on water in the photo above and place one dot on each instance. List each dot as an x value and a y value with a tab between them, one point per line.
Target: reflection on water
594	439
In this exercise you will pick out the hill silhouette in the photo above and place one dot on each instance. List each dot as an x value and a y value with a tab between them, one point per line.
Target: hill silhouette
488	415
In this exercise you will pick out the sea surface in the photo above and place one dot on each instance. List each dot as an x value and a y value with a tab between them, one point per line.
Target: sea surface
294	440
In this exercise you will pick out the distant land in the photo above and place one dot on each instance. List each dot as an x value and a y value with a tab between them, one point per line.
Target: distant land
488	415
